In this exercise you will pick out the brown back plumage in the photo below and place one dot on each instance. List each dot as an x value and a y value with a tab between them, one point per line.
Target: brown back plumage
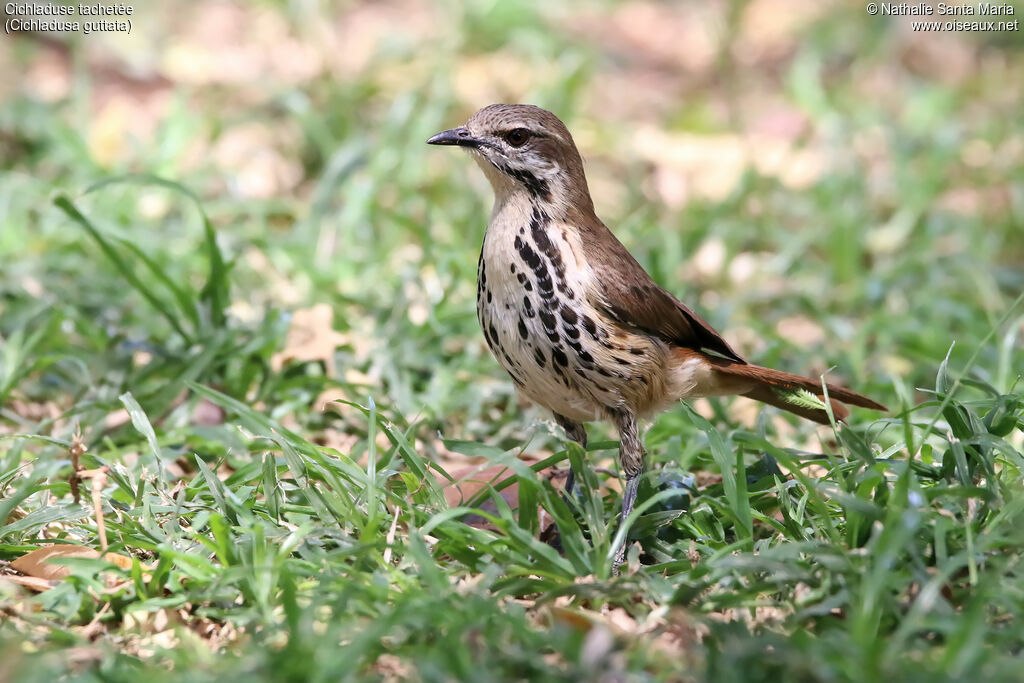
628	295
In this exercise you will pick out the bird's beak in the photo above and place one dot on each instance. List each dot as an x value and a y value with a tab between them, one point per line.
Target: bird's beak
456	136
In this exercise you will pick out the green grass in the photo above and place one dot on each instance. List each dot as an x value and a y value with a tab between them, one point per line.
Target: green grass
144	289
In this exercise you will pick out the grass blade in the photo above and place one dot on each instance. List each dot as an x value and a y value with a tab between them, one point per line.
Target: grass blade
126	271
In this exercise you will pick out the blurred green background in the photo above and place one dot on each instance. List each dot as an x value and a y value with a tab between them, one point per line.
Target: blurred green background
826	187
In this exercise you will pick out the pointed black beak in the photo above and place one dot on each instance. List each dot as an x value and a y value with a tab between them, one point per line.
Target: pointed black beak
456	136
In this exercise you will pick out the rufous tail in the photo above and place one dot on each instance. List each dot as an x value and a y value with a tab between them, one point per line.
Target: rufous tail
786	391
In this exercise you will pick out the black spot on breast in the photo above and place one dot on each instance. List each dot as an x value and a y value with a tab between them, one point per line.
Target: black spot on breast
526	252
547	319
544	283
528	307
590	326
568	314
492	343
538	355
585	359
512	267
494	333
572	332
521	278
537	218
538	230
522	328
488	296
559	355
528	285
636	351
538	225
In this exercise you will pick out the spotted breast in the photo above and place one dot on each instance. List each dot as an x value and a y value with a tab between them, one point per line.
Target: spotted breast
559	349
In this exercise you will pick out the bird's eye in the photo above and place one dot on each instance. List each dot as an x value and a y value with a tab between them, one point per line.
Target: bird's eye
517	137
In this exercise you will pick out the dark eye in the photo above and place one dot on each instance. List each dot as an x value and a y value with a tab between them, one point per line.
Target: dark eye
517	137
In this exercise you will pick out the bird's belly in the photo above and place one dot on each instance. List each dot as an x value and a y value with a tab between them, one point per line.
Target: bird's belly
545	369
560	353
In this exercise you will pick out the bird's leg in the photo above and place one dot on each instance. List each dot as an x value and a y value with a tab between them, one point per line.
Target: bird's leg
631	458
570	483
578	433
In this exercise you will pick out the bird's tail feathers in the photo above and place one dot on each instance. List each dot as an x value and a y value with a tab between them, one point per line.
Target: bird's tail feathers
802	396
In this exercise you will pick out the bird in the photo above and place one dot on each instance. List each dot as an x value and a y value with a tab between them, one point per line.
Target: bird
579	325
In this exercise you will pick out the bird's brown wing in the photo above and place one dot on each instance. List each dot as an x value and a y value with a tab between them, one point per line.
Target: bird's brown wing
628	295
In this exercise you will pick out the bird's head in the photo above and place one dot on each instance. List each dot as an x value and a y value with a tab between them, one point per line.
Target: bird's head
522	149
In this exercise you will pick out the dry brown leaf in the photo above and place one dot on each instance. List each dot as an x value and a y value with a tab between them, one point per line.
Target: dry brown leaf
121	561
393	668
106	139
770	29
711	166
801	330
657	36
469	481
38	563
328	400
115	419
621	620
617	620
257	157
336	439
30	582
153	622
497	77
35	411
208	413
671	632
16	514
577	619
311	337
234	44
49	74
676	633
